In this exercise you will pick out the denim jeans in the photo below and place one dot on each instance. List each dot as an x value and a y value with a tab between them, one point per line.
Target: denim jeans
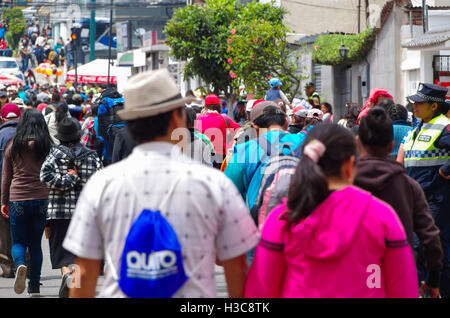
24	64
28	220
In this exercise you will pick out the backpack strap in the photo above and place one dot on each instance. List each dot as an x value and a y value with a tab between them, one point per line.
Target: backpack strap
265	144
108	135
227	122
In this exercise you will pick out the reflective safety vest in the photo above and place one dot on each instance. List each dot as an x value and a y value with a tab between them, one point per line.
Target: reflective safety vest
315	94
419	147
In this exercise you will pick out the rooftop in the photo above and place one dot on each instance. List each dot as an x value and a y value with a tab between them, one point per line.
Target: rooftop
428	39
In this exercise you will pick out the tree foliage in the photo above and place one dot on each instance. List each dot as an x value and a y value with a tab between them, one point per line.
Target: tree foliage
15	20
258	50
326	47
230	44
198	35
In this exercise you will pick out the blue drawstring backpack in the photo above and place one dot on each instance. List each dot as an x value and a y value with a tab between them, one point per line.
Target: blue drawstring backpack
152	263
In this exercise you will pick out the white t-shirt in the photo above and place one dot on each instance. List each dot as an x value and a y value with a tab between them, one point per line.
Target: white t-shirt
202	205
41	41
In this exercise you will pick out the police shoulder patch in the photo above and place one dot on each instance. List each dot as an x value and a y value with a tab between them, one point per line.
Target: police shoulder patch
424	138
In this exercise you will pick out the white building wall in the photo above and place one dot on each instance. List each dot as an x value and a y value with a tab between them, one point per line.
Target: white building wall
426	66
313	17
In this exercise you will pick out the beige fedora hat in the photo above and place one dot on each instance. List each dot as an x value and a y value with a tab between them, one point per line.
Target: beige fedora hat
150	94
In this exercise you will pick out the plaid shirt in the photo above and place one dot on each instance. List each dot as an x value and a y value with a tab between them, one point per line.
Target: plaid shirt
89	135
64	188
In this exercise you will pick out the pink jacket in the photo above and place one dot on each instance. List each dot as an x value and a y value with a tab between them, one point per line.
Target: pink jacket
352	246
215	127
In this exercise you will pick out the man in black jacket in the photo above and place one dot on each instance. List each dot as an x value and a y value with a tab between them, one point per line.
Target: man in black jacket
123	145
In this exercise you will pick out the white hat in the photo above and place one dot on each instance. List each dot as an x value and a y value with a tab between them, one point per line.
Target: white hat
249	106
301	112
19	102
315	113
151	93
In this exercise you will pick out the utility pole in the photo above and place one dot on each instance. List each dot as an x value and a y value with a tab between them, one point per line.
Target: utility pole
76	42
424	16
359	16
110	41
92	32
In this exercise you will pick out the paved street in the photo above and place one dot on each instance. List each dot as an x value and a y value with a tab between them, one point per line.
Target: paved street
51	280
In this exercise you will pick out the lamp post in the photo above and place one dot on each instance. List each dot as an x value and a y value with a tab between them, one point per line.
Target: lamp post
110	42
343	51
92	32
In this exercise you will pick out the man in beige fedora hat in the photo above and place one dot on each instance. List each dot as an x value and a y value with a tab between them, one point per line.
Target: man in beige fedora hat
204	208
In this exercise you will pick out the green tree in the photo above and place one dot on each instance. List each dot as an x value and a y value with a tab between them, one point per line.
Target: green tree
258	50
198	34
15	20
229	44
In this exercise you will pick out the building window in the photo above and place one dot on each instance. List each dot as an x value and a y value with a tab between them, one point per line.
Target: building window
317	77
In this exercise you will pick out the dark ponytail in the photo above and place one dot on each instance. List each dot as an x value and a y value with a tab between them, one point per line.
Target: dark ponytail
376	131
309	184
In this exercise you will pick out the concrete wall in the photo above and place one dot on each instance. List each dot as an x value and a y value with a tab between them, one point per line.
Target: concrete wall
327	85
312	17
385	59
426	66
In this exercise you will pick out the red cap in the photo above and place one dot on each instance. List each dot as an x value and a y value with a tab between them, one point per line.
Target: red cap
41	107
212	100
296	109
10	111
258	101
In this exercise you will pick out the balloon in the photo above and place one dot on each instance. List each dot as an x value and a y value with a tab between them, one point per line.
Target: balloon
60	73
55	71
38	70
49	72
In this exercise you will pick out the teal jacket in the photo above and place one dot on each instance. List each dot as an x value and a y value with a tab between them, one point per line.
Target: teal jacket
246	168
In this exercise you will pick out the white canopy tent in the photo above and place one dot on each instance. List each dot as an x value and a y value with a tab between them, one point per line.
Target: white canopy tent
95	72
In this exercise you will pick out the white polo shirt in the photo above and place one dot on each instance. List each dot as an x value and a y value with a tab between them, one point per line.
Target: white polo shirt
202	205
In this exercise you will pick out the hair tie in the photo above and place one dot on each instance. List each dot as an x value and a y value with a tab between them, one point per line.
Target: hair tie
315	150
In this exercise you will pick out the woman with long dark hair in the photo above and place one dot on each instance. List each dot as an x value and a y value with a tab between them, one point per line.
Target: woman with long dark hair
329	238
24	198
351	116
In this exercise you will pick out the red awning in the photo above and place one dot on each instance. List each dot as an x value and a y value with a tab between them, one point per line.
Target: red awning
9	80
84	79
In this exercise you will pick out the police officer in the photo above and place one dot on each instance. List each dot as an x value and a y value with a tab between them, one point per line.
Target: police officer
313	96
425	154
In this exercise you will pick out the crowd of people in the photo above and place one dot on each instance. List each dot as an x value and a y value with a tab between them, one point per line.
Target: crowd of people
154	189
38	46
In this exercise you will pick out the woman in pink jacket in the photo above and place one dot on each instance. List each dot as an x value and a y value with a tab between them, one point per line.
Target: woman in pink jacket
330	239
